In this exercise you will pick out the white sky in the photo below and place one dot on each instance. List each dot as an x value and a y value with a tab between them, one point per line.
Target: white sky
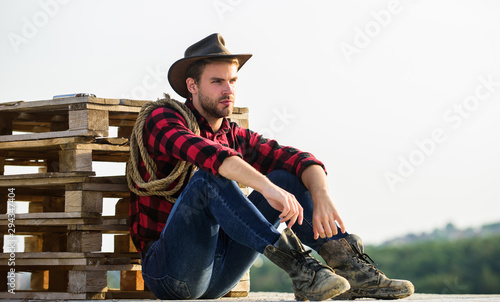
354	82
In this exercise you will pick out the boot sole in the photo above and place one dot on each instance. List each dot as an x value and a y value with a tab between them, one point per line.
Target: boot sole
338	289
390	293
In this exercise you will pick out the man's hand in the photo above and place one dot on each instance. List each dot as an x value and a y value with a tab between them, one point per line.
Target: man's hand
236	169
325	214
284	202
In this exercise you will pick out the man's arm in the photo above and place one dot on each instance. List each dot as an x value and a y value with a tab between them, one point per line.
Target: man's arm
237	169
325	213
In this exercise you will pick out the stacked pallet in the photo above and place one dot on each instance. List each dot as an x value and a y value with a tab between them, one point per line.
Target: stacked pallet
63	229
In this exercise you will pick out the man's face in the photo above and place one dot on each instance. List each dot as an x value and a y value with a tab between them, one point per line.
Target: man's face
216	90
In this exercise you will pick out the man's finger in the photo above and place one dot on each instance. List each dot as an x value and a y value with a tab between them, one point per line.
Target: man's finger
334	227
341	224
301	214
316	234
292	221
327	228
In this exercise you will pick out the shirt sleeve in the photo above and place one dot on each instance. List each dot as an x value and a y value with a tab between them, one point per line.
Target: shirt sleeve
267	155
167	134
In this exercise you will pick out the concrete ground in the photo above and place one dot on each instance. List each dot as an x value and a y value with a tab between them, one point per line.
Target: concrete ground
283	297
265	296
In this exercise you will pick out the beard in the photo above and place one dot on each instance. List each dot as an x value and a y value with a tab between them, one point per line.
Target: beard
210	105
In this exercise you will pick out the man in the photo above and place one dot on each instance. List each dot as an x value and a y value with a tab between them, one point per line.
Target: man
201	245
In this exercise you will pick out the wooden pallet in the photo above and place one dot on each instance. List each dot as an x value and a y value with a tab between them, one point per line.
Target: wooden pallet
64	226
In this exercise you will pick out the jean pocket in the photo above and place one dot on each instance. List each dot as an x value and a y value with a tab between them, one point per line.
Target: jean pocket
167	287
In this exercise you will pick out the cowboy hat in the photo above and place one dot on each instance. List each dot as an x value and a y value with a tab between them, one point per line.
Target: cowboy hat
212	46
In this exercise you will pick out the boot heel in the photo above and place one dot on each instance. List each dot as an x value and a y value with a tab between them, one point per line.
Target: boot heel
300	297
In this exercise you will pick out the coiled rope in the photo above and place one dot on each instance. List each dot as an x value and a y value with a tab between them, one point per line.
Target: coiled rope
155	186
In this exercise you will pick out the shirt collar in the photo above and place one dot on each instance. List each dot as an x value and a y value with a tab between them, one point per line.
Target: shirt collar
203	123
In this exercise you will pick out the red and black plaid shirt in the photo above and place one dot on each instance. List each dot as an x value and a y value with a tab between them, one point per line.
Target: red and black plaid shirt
169	140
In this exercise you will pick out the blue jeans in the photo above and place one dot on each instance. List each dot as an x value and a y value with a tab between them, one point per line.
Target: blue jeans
214	234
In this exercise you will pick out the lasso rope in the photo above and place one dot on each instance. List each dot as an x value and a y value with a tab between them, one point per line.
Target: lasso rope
155	186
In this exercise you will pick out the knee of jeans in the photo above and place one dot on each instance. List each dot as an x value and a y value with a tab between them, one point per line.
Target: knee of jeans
282	176
200	174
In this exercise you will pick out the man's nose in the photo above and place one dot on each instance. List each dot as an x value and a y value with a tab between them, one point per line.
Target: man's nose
228	88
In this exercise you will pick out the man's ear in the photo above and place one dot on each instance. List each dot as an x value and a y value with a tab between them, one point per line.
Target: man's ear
191	85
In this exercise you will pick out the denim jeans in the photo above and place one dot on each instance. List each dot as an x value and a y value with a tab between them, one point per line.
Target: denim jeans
214	234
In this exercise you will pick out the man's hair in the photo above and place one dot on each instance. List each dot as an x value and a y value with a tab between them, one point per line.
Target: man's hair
195	70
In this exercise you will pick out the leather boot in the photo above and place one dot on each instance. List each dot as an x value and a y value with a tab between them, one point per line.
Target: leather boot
346	256
311	279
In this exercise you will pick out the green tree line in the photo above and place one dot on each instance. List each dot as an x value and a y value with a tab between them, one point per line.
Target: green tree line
463	266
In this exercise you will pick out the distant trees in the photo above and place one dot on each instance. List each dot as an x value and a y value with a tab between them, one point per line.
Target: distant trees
465	266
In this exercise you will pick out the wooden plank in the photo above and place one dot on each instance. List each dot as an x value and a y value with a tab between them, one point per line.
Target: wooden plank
6	124
51	135
87	281
121	157
39	280
11	104
43	262
96	100
71	160
36	219
122	207
72	255
125	131
240	119
111	140
33	244
84	241
114	108
110	267
242	288
240	110
135	103
102	187
131	280
51	296
124	243
44	144
35	207
54	242
98	147
44	179
57	104
104	228
52	175
83	201
97	120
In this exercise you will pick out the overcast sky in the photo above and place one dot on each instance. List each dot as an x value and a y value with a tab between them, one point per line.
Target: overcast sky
400	99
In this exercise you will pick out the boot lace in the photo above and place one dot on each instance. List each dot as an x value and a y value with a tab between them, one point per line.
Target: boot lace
366	258
305	258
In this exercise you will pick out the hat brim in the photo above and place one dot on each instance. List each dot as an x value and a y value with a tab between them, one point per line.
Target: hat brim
177	72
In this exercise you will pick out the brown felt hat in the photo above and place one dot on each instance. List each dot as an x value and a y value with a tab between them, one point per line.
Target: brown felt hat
212	46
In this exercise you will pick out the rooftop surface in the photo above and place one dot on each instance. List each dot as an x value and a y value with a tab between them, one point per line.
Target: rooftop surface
268	296
265	296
